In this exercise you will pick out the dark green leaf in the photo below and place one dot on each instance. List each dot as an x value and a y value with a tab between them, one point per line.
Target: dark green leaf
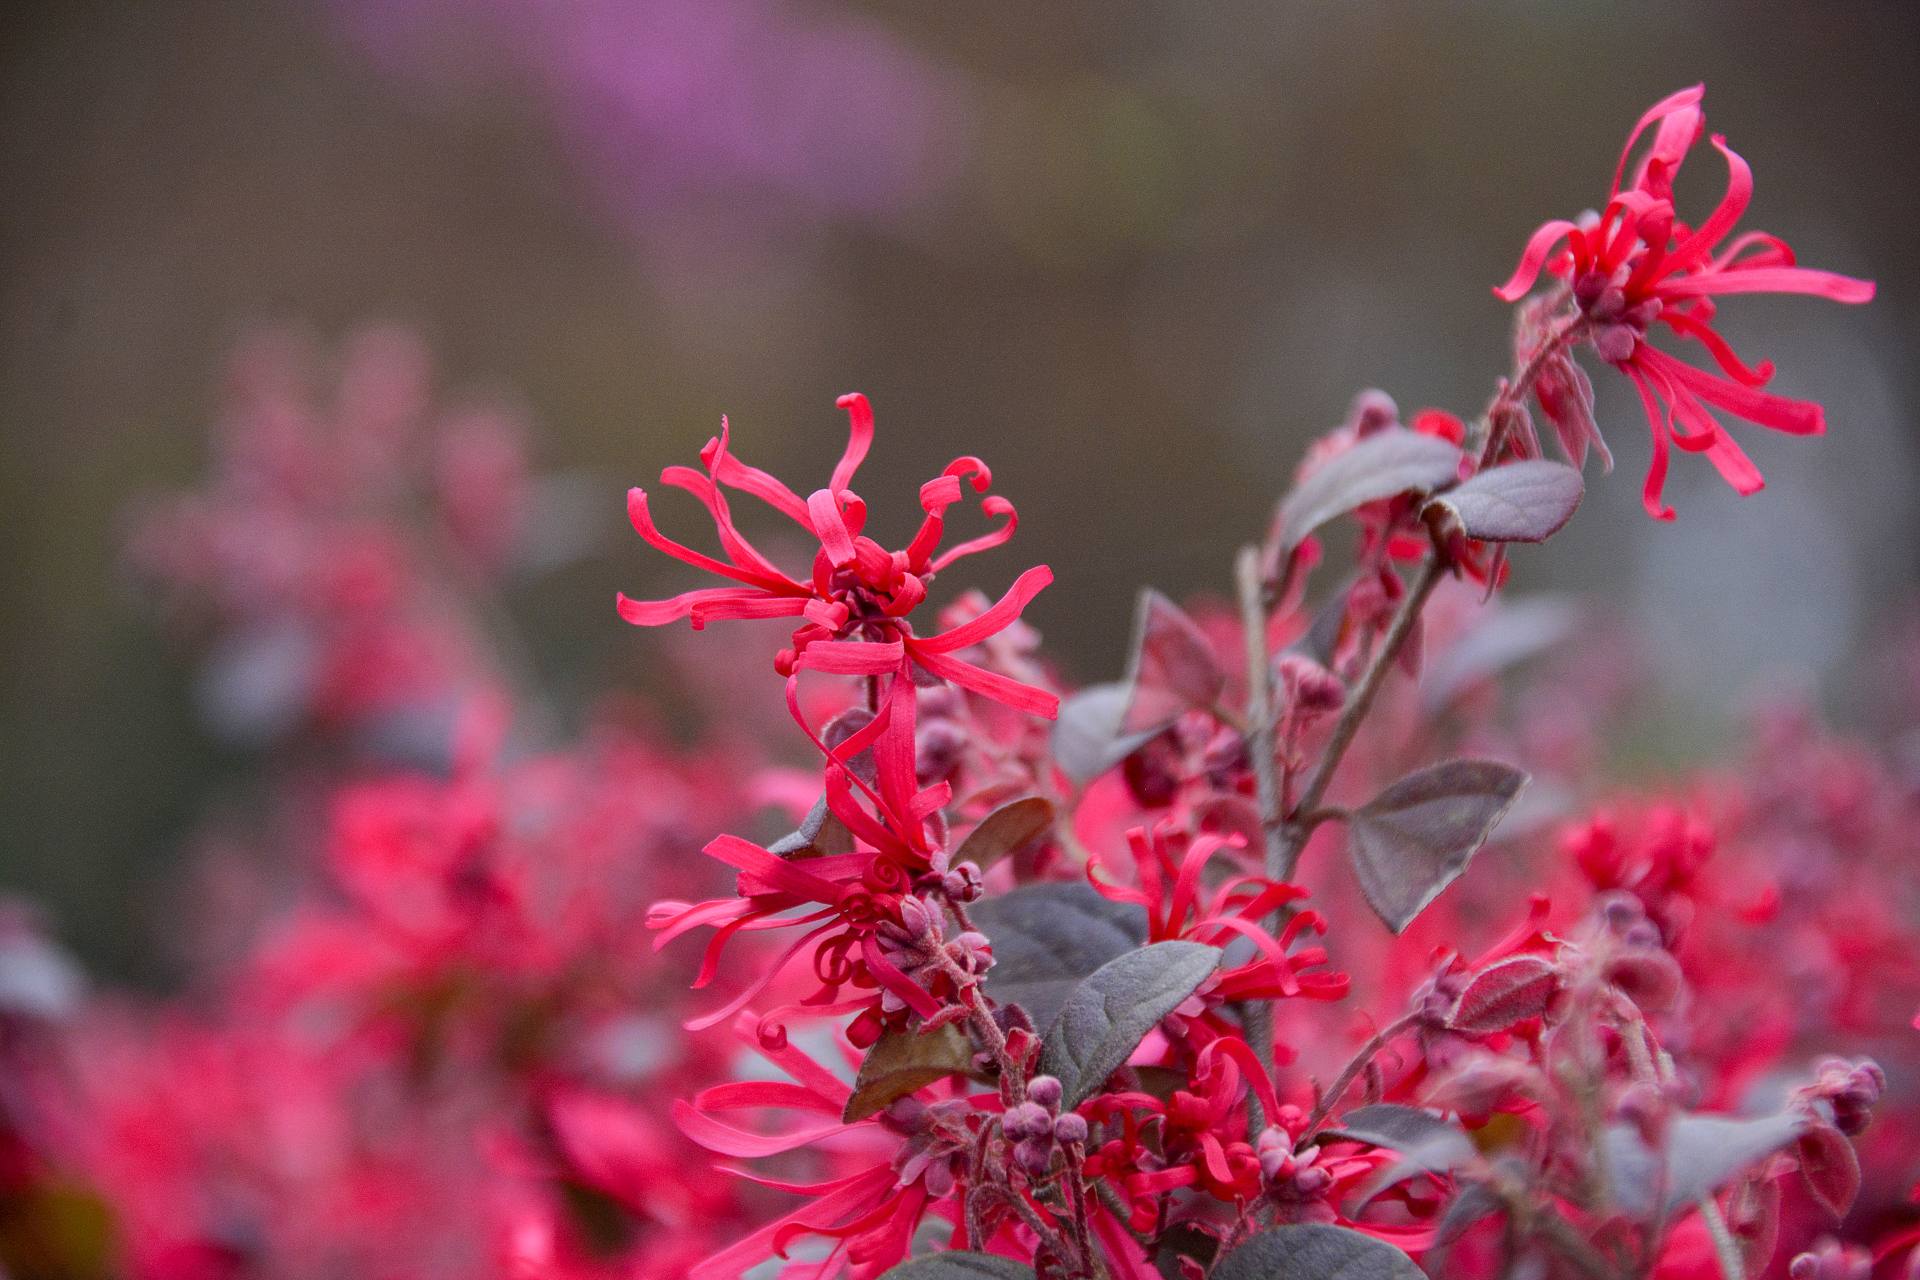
1012	826
1386	463
1520	502
1047	937
1315	1251
1703	1154
960	1266
1414	839
903	1061
1110	1013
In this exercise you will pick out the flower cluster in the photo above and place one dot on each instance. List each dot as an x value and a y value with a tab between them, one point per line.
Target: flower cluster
1045	981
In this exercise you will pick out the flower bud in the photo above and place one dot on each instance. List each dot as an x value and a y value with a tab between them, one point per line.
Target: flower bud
1616	343
1070	1128
1026	1120
1034	1156
1046	1091
962	882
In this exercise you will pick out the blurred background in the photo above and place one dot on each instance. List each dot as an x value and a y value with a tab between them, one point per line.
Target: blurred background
1134	254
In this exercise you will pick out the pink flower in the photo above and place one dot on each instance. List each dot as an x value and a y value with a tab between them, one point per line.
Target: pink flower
856	600
1636	265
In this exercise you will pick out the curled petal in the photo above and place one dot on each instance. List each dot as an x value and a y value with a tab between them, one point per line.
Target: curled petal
1725	214
990	684
1539	248
992	620
994	506
859	438
1737	279
1795	417
712	605
730	471
1722	352
641	517
835	538
851	657
1656	480
1684	101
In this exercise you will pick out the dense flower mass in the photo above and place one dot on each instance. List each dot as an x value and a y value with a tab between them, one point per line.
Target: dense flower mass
1636	265
1040	997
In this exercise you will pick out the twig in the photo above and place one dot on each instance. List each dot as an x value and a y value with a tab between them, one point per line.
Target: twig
1351	1072
1257	1015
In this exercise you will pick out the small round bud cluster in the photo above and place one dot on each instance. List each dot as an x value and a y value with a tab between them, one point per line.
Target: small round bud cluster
1831	1260
1617	326
1294	1180
919	947
962	882
1036	1126
1852	1089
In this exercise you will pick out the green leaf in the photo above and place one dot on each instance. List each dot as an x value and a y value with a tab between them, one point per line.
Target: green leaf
1110	1013
1047	937
1384	464
1010	827
1521	502
960	1266
903	1061
1315	1251
1415	838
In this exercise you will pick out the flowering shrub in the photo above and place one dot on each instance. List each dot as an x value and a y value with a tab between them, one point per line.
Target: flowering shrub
1061	981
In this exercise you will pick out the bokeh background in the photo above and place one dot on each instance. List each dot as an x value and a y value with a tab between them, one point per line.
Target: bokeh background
1133	253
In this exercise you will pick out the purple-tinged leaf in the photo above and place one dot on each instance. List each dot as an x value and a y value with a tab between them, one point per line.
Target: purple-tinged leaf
1501	637
1701	1155
1315	1251
1398	1128
1416	837
1752	1212
1830	1167
1520	502
963	1265
1387	463
1505	993
1648	976
1087	737
820	835
1047	937
902	1062
1111	1012
1171	667
1011	827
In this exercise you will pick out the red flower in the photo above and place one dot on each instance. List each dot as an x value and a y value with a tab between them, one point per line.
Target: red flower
1169	869
870	1215
853	905
858	591
1636	265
